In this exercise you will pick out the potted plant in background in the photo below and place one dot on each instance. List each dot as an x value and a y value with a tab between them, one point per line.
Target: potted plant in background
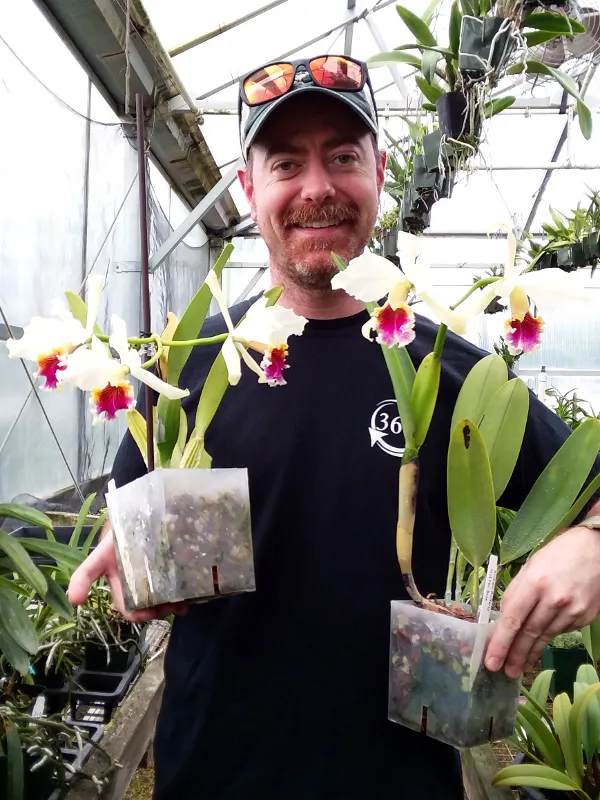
182	532
437	682
564	655
560	749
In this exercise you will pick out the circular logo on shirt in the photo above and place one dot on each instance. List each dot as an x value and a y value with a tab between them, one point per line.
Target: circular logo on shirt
385	429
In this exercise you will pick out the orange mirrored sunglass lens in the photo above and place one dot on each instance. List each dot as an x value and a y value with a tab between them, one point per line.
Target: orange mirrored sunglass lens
337	72
268	83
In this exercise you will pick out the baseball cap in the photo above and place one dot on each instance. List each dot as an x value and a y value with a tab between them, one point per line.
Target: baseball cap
270	86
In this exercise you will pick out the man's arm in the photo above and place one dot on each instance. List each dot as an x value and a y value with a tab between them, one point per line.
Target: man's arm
557	590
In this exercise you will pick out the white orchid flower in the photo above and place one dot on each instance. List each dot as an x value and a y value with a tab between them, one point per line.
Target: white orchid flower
371	277
549	289
94	370
49	340
265	329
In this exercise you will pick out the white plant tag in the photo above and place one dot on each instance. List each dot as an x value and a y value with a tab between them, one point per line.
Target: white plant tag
485	610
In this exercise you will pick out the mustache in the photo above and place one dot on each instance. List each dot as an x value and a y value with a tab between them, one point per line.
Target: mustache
304	215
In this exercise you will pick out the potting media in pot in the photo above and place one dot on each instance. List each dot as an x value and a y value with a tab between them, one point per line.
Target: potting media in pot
183	535
432	686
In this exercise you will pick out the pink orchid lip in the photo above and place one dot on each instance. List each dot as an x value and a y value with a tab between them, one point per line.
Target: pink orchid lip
524	335
50	365
395	326
107	402
273	365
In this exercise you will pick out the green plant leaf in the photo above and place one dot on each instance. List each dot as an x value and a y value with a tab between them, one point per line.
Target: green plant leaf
169	415
429	62
429	107
561	709
18	658
31	516
455	25
392	58
424	395
551	22
431	93
480	385
56	598
92	534
503	428
78	308
15	619
577	717
427	15
540	688
65	556
15	550
590	727
402	374
497	106
542	737
591	639
535	775
471	506
578	506
535	38
553	492
81	518
419	29
137	428
15	783
213	391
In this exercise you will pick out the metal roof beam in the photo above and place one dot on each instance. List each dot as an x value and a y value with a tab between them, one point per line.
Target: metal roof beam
349	31
381	44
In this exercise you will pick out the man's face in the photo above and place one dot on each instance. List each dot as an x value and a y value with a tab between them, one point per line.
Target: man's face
313	186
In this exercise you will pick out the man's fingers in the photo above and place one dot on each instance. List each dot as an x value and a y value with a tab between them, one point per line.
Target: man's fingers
518	602
101	562
534	633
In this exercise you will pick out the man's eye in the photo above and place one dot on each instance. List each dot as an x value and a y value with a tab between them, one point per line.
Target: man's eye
346	158
285	166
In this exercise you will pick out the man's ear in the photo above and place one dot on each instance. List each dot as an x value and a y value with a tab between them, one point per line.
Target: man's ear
381	162
245	179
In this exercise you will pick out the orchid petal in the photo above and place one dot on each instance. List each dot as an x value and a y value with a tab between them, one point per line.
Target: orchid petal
94	298
93	368
269	324
118	338
454	320
213	284
524	335
368	277
551	288
519	303
232	361
154	382
481	299
251	363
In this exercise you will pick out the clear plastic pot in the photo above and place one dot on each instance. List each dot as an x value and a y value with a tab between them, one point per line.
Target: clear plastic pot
431	688
182	534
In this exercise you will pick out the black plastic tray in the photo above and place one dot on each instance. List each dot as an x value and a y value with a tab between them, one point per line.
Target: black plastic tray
103	690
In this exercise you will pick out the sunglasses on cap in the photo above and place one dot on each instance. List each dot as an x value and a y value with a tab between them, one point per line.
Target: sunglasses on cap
337	73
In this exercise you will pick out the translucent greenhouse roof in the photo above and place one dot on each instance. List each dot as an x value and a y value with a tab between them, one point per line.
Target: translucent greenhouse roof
522	138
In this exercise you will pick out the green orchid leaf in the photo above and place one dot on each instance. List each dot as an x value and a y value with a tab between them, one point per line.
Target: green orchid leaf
497	106
15	619
428	107
136	424
551	22
429	62
591	639
427	15
213	391
414	128
81	518
480	385
503	429
540	689
15	782
471	506
541	737
455	25
18	658
535	775
561	710
577	717
553	492
92	534
15	550
78	309
56	598
431	93
587	674
578	506
590	728
66	557
31	516
419	29
393	58
535	38
169	415
424	395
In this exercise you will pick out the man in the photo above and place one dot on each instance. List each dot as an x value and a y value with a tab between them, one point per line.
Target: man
282	693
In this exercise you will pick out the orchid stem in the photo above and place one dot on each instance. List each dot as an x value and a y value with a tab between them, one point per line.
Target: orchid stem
451	568
461	564
479	285
136	340
440	340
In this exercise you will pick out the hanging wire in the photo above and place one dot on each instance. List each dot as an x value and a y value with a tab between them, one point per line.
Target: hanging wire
56	97
38	398
14	422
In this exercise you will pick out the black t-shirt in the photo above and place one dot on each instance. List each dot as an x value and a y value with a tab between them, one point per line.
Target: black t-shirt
282	693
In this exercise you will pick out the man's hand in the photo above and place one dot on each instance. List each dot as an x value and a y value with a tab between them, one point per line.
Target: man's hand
103	563
558	590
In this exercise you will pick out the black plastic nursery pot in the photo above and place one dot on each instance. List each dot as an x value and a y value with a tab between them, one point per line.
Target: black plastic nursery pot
565	259
183	534
453	115
101	690
485	44
389	243
431	686
565	661
423	178
591	247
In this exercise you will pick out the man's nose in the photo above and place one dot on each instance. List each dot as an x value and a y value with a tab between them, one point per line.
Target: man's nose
317	185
